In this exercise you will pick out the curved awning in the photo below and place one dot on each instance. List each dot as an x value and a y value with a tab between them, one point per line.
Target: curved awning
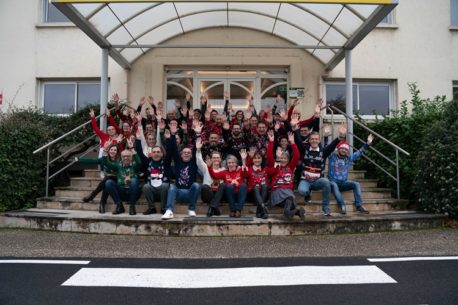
130	28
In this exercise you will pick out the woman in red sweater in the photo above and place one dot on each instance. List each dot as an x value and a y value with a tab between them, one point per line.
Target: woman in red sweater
258	188
236	188
282	175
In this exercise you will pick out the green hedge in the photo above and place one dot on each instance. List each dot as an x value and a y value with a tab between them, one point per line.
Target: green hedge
21	132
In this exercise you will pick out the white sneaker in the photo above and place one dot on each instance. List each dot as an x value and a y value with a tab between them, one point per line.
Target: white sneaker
192	213
167	215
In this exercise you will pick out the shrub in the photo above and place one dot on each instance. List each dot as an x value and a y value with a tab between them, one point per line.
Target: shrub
21	132
405	129
436	183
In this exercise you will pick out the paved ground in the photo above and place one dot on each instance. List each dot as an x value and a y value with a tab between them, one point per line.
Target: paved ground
27	243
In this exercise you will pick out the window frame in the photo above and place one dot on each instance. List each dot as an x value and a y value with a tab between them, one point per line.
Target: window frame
382	83
45	15
454	89
75	82
454	17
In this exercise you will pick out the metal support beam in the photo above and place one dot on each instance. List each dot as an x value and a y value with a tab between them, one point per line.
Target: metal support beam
222	46
103	88
349	97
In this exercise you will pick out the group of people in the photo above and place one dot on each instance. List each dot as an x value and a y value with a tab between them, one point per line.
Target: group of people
230	156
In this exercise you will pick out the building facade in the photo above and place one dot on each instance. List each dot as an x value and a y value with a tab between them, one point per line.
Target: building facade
49	63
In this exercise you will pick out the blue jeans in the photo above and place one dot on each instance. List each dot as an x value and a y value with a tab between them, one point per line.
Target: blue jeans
231	197
319	184
183	195
338	187
119	194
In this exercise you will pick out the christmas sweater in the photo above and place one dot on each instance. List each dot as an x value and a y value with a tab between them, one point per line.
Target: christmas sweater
339	167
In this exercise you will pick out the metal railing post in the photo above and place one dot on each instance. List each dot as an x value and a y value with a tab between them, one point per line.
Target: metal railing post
47	171
398	182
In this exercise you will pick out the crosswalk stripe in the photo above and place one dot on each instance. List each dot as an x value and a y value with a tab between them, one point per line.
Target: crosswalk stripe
228	277
415	258
41	261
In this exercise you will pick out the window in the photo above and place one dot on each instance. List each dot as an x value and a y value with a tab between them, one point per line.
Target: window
389	19
52	14
454	12
455	90
68	97
368	98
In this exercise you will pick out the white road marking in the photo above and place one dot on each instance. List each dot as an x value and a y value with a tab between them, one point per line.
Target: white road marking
37	261
228	277
414	258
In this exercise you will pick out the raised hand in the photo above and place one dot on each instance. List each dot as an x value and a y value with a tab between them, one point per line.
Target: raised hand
167	134
283	115
159	114
271	135
142	101
277	126
226	95
294	119
151	100
291	137
326	130
252	151
226	125
370	139
342	130
139	132
318	108
248	114
278	153
209	161
91	113
115	98
198	127
198	143
243	154
207	115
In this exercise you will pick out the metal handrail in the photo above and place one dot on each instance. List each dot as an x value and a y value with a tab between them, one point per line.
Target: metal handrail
394	146
50	144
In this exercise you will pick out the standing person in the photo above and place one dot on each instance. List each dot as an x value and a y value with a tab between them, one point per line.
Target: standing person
156	173
127	186
185	170
338	169
258	188
282	174
212	189
312	166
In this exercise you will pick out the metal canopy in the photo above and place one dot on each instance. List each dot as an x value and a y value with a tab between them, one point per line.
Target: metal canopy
128	29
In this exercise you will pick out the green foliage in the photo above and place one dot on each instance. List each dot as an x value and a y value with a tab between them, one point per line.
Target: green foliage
407	130
436	183
21	132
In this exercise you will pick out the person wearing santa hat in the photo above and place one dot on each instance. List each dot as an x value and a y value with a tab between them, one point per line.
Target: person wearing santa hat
338	168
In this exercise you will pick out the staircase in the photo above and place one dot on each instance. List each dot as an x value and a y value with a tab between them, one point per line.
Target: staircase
67	212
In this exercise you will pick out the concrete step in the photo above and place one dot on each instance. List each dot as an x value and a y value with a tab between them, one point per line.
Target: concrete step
353	175
63	203
92	222
94	181
366	193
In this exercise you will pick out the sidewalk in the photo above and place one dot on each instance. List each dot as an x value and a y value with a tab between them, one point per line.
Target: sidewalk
28	243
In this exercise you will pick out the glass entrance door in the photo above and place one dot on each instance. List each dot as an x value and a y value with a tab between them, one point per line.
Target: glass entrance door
240	92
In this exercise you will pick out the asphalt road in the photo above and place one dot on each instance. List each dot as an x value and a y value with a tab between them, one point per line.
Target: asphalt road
409	282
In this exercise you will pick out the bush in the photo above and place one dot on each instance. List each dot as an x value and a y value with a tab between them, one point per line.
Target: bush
21	132
406	130
436	183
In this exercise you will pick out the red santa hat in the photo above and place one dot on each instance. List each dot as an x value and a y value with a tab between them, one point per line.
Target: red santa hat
343	145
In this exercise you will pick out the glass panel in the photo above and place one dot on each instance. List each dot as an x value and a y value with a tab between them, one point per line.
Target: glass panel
120	36
325	55
174	92
253	21
104	21
334	38
268	99
293	34
127	10
131	54
187	8
215	94
267	82
204	20
239	95
187	82
335	95
151	18
374	99
162	33
88	94
328	11
364	9
59	98
348	22
388	19
86	8
54	15
270	9
454	12
303	20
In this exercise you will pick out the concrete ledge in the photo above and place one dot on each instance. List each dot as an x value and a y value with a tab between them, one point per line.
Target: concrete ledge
92	222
